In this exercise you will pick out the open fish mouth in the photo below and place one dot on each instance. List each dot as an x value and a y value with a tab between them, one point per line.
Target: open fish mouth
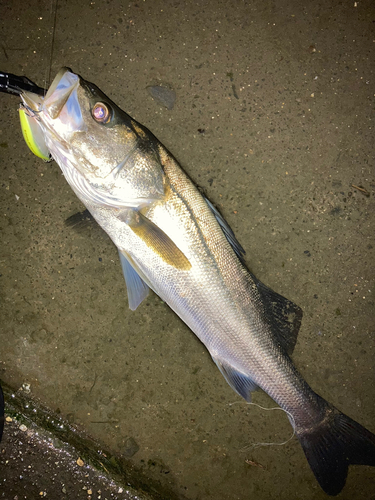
49	122
61	90
61	101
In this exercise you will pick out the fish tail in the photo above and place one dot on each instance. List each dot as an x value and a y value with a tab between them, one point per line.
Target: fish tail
334	444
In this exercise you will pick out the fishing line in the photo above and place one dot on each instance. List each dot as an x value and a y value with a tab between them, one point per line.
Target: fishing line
257	445
53	15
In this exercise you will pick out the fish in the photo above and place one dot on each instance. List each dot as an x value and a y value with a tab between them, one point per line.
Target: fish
173	240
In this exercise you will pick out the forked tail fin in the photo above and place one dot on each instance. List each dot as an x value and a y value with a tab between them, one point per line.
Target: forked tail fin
333	445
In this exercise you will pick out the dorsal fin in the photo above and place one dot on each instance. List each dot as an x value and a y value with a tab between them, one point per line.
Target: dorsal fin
229	234
284	316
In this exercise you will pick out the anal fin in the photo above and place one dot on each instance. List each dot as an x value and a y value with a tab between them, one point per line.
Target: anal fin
240	383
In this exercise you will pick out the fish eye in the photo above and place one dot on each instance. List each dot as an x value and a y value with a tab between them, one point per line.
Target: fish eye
101	113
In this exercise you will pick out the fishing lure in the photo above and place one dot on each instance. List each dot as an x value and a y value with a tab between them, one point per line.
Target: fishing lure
31	131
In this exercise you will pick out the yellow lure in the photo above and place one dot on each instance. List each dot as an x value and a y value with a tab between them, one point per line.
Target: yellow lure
33	135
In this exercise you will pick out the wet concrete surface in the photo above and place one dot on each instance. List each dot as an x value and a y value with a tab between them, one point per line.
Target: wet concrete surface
274	119
35	465
43	455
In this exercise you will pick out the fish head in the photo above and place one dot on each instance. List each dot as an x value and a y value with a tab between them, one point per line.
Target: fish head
87	132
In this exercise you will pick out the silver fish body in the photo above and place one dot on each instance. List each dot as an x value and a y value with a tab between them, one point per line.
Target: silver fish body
171	239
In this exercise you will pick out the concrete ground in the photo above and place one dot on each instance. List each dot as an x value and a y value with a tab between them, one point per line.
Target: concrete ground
34	464
274	119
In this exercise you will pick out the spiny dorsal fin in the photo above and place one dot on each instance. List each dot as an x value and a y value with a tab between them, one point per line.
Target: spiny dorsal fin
229	234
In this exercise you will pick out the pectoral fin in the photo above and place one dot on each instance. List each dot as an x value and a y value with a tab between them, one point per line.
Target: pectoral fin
136	287
240	382
84	223
156	239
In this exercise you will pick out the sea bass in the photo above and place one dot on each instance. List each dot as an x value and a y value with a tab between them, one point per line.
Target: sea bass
172	240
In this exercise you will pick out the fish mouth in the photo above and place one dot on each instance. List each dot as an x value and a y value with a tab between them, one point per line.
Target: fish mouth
61	88
60	109
63	91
